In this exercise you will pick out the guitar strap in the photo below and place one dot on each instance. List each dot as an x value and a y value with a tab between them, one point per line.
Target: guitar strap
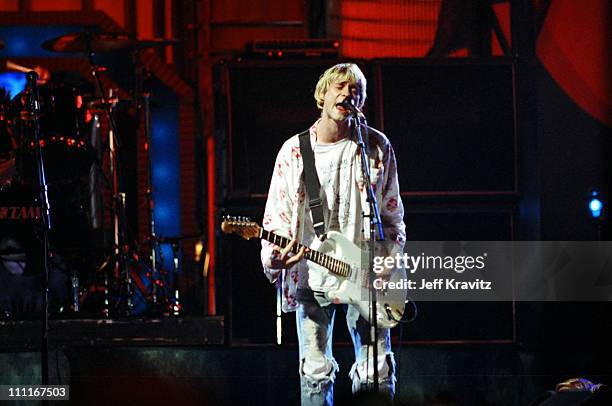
311	181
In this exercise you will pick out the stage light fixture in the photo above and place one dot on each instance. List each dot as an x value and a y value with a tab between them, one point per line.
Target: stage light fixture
595	205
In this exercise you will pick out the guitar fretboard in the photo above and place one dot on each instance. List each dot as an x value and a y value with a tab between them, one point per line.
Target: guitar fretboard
334	265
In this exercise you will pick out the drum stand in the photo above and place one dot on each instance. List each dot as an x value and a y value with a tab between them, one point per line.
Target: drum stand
161	303
173	303
121	250
115	266
177	308
156	306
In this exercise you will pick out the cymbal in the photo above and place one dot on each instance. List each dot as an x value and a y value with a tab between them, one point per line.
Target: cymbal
101	42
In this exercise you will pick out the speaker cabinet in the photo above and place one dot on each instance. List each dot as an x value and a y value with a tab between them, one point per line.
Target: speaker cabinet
451	124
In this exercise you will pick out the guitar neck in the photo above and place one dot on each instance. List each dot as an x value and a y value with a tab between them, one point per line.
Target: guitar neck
332	264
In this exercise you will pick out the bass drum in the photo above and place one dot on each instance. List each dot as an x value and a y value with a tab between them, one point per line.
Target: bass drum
22	258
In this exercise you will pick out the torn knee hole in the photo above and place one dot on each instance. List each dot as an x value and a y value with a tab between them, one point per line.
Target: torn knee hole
318	371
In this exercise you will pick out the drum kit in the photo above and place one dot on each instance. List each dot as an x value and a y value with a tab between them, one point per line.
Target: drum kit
81	142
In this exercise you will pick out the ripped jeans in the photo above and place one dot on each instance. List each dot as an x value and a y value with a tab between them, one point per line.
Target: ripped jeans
317	364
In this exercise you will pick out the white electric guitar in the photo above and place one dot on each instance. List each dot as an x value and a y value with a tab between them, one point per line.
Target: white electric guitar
338	255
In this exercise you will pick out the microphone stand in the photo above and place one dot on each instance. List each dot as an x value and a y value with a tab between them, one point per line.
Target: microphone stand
357	121
43	195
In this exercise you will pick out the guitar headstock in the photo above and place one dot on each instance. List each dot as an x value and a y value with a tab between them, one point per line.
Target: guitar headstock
243	226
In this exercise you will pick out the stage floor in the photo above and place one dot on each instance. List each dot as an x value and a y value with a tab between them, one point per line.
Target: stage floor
185	361
26	334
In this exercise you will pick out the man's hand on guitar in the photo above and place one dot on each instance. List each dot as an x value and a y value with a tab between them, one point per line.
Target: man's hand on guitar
285	259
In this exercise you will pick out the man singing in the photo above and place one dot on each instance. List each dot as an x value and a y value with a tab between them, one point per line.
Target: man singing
344	198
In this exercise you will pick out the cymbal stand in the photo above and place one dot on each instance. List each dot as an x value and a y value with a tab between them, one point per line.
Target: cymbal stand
176	308
146	108
161	303
169	284
120	263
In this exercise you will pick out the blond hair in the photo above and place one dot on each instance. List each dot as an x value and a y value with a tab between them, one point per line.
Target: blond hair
342	72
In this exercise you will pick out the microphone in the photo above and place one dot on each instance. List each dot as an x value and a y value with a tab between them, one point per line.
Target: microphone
349	105
32	79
